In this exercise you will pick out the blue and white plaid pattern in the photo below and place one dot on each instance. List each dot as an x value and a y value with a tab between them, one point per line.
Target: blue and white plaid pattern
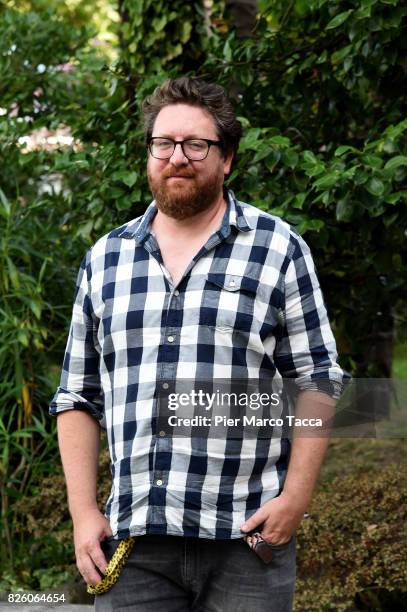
248	307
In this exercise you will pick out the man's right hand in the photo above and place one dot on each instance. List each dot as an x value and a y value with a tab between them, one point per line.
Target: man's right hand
90	529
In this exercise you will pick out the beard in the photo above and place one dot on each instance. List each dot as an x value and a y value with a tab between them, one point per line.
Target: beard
183	199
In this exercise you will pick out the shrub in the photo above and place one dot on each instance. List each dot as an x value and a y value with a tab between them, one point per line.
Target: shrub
352	548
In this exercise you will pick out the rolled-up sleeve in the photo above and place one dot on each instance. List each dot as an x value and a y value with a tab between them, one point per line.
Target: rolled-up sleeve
80	386
305	347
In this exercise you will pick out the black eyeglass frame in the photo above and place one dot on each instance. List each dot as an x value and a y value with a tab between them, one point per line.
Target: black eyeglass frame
210	143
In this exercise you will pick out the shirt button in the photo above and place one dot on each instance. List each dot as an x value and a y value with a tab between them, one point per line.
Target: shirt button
165	385
162	433
159	482
170	338
176	292
232	283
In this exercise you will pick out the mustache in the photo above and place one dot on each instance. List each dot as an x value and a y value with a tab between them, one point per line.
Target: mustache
172	172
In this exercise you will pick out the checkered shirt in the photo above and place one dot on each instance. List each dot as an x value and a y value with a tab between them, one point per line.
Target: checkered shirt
248	306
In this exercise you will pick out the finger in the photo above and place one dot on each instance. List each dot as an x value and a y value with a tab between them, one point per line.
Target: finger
98	558
255	520
274	537
88	570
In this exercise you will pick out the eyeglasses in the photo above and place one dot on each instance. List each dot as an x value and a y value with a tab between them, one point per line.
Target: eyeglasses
195	149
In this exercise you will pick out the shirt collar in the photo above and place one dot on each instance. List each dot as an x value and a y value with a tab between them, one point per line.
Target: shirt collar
235	214
139	229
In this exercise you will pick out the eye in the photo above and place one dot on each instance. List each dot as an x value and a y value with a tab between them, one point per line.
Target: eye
162	143
196	145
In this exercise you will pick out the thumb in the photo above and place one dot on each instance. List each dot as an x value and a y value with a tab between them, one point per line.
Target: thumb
257	519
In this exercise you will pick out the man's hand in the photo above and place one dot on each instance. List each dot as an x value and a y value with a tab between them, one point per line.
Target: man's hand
282	515
89	530
279	518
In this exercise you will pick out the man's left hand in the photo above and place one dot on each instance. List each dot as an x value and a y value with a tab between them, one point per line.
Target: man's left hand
278	517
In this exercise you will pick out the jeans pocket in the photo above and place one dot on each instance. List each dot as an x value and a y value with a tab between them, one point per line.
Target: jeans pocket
108	546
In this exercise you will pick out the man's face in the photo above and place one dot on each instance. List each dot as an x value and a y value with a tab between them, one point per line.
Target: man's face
181	187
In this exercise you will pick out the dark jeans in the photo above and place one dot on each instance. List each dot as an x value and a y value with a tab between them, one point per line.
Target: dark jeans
179	574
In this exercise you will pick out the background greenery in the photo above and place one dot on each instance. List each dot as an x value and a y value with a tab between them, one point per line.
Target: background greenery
318	88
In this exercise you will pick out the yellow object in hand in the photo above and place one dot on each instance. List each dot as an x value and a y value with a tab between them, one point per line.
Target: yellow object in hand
114	568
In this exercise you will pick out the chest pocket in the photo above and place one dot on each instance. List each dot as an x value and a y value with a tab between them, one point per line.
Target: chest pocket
228	301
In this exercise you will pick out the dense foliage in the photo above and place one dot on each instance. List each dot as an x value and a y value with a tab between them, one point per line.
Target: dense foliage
352	548
318	89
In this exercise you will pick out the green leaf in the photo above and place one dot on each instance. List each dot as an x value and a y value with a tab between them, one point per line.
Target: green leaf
85	230
262	152
375	186
22	337
159	23
290	158
310	158
396	162
310	225
130	178
340	55
186	31
361	178
344	149
374	161
315	170
323	57
234	174
344	210
394	131
338	19
250	140
299	200
392	198
5	202
327	181
389	146
280	140
363	12
273	159
307	63
124	203
227	51
13	274
36	308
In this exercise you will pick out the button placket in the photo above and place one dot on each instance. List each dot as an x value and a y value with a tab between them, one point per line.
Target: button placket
167	371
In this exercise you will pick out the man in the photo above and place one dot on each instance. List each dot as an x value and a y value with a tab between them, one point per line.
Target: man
202	286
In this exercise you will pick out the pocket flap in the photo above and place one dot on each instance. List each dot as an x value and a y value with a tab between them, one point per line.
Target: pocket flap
233	282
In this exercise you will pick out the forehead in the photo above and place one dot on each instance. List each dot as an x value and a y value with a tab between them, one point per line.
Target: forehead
184	120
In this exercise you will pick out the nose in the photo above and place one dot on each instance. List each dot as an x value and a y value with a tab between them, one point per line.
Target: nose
178	158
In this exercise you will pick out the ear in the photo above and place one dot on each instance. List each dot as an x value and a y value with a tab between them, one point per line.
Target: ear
227	162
